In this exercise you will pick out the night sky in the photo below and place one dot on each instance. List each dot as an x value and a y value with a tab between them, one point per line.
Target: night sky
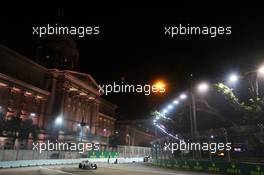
132	45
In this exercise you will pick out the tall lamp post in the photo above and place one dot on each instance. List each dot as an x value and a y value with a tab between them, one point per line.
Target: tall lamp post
201	88
128	136
82	124
226	141
58	123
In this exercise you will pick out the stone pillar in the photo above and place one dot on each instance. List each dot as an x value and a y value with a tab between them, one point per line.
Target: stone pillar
51	100
61	111
94	118
42	114
75	104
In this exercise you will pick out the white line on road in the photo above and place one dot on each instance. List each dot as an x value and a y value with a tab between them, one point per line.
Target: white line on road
149	171
56	171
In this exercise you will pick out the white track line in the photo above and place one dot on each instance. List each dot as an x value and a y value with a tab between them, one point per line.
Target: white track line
147	171
56	171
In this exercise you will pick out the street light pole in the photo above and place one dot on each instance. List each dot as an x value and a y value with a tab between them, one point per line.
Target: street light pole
226	141
81	133
195	133
191	115
193	119
128	139
82	124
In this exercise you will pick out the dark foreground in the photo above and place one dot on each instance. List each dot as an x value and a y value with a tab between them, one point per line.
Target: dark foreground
103	169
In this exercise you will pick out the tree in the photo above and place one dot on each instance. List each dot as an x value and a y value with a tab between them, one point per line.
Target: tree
20	129
13	125
26	129
252	109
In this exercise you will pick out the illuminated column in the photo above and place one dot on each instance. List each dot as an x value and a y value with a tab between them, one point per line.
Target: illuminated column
75	105
51	102
87	113
62	102
94	117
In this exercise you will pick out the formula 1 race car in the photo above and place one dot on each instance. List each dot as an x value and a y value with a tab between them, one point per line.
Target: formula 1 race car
87	165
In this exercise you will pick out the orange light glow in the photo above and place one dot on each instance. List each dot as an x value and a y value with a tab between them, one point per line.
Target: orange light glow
221	154
159	87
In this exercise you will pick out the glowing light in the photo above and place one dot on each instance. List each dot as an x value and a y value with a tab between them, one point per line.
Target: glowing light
58	120
175	102
73	89
203	87
82	94
39	97
164	111
3	84
15	89
261	70
28	93
183	96
159	86
170	107
221	154
233	78
32	114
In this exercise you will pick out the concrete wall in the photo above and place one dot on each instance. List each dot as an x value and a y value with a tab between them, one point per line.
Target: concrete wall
27	163
11	155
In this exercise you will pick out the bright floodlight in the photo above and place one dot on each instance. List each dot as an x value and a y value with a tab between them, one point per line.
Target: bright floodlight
170	107
203	87
78	124
233	78
175	102
58	120
183	96
32	114
164	111
261	70
211	136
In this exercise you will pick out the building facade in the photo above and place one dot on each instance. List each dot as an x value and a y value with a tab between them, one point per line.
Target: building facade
30	91
129	134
